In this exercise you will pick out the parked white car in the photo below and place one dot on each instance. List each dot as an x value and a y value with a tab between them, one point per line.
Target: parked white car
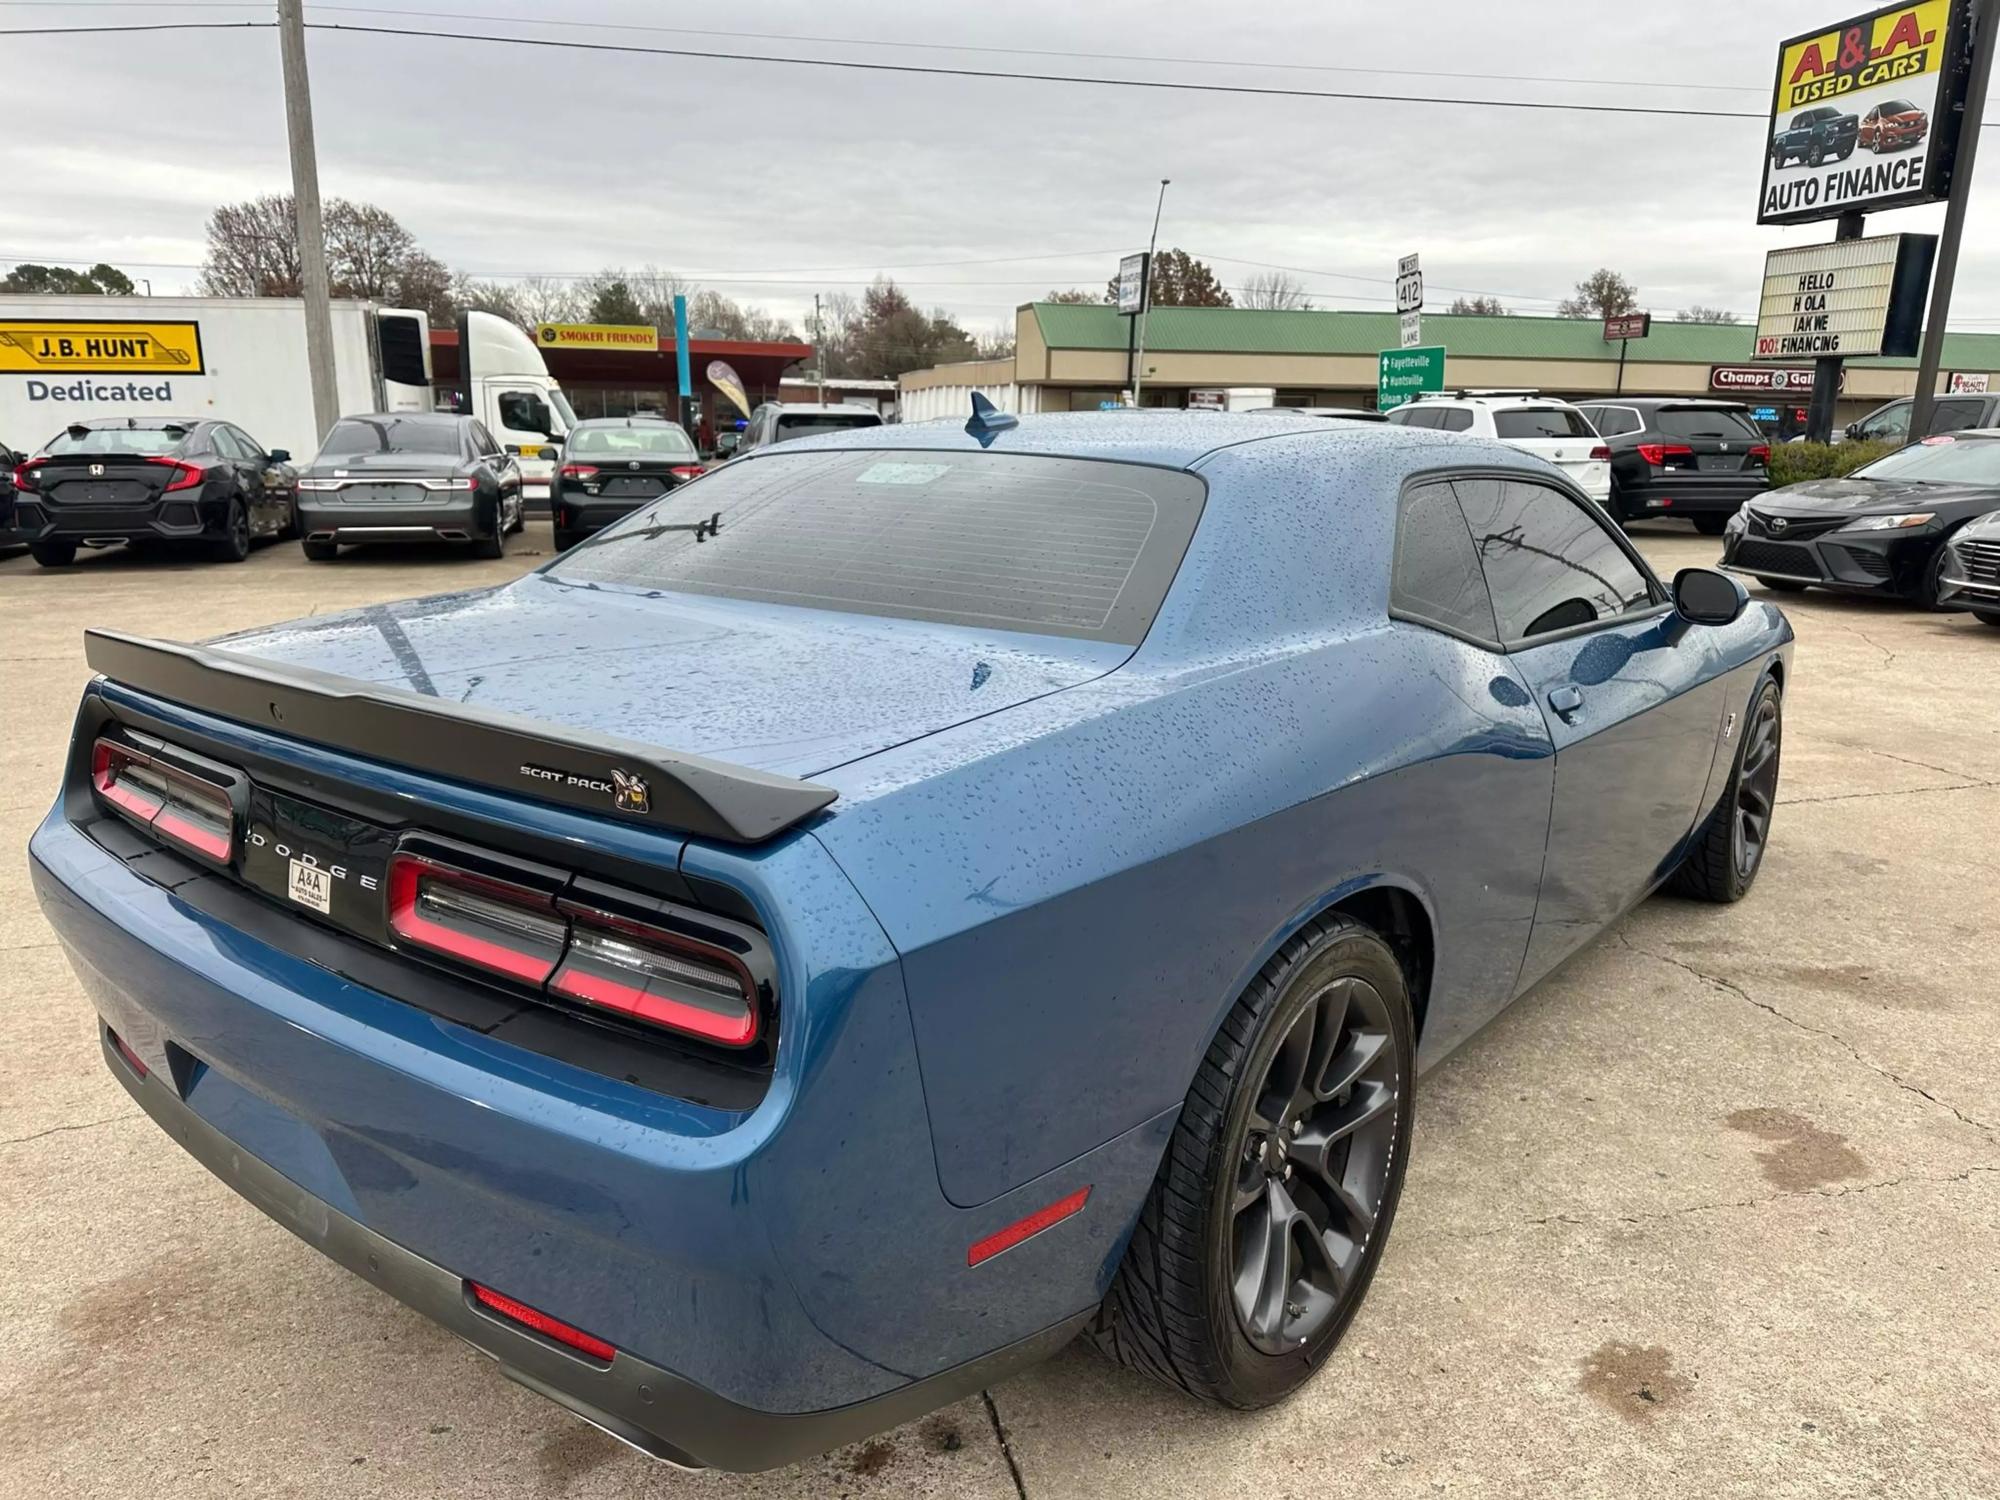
1541	425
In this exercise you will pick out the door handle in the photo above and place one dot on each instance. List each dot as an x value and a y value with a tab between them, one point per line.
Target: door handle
1566	701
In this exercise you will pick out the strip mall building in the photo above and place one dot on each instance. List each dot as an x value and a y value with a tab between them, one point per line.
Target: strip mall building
1074	357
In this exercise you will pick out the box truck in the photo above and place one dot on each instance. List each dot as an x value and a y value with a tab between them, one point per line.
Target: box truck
243	360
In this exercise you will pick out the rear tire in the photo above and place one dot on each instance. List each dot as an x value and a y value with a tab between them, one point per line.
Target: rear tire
520	516
319	550
566	540
1726	855
490	547
1782	585
53	554
1275	1197
1711	525
234	543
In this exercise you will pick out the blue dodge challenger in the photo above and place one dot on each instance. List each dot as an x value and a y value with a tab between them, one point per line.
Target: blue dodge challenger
903	900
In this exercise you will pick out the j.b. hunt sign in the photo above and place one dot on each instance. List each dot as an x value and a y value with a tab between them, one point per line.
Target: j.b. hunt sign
1852	297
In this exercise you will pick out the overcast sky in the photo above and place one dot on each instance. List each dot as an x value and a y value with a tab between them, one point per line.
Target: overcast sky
542	159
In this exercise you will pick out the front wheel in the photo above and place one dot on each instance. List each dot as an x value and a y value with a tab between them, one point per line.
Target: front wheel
1711	525
1272	1205
1987	616
1931	585
1782	585
1728	852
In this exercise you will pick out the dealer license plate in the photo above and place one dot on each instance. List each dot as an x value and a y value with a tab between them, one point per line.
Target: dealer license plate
310	886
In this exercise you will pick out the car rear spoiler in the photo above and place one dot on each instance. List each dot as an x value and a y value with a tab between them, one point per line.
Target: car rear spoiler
508	753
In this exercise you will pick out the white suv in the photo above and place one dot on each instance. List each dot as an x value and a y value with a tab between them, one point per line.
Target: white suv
1540	425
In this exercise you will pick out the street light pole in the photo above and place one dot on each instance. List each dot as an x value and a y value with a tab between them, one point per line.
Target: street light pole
1146	297
1985	22
311	227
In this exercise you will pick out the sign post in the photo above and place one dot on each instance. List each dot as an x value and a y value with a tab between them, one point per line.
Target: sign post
1985	25
1410	301
689	418
1624	327
1403	374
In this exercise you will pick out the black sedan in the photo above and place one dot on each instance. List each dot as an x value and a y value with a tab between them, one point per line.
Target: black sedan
1881	530
153	480
1675	459
9	536
1971	571
613	465
409	477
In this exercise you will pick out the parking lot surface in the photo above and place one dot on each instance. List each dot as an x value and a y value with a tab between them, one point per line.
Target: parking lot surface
1713	1212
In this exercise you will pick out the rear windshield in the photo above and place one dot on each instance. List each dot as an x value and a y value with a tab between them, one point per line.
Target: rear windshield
354	436
1054	546
606	440
1940	460
1705	422
149	441
1541	422
806	424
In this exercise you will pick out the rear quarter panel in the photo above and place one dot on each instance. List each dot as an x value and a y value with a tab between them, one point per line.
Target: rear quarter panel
1080	887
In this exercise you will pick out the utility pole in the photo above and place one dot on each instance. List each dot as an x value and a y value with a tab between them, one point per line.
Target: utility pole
1985	22
819	341
1146	297
311	227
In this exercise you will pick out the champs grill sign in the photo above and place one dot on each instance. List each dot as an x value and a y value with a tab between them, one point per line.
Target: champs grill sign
1865	114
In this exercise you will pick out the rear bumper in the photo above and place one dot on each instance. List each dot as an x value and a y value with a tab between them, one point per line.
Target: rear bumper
769	1296
583	516
460	521
640	1404
171	518
1668	495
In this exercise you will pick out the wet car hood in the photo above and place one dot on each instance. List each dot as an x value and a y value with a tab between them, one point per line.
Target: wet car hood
787	690
1865	497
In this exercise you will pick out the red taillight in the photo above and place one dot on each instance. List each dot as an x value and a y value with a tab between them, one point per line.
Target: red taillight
186	475
1028	1228
1761	452
25	481
1600	452
579	471
687	471
491	924
541	1322
647	974
1657	454
197	815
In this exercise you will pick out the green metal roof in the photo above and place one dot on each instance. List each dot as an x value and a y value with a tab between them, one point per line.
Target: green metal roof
1242	330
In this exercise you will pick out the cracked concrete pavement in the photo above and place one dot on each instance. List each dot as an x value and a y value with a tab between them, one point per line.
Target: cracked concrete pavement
1713	1212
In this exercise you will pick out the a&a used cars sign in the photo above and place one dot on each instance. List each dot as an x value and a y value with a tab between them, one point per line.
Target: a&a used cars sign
1865	113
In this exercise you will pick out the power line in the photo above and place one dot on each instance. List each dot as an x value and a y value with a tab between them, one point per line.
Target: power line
914	69
842	41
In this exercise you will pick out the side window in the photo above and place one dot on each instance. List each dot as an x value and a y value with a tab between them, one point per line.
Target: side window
1421	416
1550	564
482	441
1436	578
252	449
1893	424
1454	419
224	441
1951	416
525	411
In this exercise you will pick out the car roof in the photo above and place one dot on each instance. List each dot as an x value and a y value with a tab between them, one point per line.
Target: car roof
1166	437
406	416
632	421
807	408
1654	403
1491	399
138	424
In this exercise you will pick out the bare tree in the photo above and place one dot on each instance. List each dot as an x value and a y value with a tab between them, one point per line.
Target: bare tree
1074	294
471	295
709	311
1483	307
253	252
1700	314
1179	280
542	299
1601	294
996	344
1277	291
253	249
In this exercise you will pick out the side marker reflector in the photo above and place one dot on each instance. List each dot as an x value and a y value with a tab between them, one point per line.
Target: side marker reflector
541	1322
1028	1228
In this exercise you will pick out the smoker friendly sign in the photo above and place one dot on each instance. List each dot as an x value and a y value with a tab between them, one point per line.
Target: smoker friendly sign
1865	114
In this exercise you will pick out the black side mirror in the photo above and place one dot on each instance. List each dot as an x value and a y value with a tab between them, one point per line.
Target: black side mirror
1703	596
281	455
1854	430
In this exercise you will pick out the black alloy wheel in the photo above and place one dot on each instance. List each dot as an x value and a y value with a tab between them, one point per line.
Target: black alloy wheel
1756	789
1931	586
1278	1188
1728	850
234	543
1314	1165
